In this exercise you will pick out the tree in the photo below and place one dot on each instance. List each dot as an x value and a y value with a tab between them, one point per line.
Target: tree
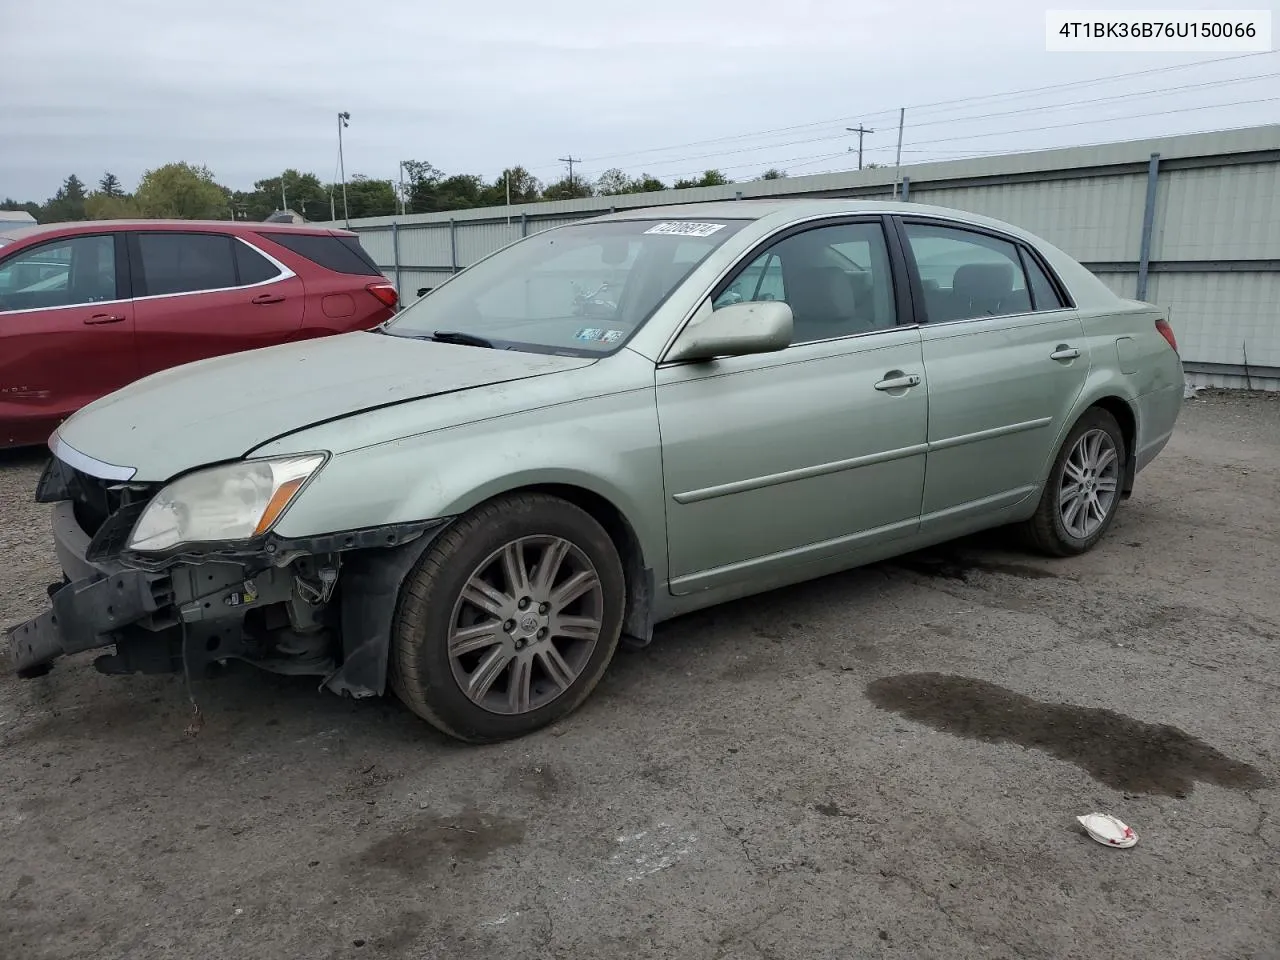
366	197
422	180
525	187
109	185
67	203
183	191
647	183
459	192
709	178
615	182
303	193
101	205
567	189
773	173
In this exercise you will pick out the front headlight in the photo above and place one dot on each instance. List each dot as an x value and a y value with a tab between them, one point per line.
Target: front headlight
236	501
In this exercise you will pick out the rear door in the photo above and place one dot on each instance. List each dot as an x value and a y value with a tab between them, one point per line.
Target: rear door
1005	356
345	289
66	331
202	294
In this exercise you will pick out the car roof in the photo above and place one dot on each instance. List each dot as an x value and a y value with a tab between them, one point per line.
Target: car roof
101	226
782	211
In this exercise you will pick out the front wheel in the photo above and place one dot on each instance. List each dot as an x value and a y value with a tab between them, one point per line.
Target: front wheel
509	620
1082	494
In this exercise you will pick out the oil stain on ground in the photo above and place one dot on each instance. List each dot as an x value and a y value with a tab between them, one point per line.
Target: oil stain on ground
954	566
1112	748
437	844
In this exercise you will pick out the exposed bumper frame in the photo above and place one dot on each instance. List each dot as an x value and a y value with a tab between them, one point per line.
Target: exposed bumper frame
178	603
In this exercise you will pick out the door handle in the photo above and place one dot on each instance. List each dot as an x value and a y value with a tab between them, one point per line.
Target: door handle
267	298
101	318
1064	352
899	382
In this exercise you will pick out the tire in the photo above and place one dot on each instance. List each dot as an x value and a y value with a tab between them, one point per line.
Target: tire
539	661
1053	529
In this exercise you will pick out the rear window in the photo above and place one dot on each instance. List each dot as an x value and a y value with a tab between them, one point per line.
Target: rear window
339	254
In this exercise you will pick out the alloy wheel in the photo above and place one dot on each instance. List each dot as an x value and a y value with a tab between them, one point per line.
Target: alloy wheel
525	625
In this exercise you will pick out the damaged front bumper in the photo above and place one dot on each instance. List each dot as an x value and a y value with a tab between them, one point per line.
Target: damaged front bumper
321	606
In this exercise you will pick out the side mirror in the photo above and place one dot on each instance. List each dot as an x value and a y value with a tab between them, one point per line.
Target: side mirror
734	330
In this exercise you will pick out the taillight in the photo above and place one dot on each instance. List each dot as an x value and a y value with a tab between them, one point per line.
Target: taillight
385	292
1166	331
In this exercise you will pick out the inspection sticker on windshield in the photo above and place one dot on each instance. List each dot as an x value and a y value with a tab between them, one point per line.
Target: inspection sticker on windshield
686	228
597	335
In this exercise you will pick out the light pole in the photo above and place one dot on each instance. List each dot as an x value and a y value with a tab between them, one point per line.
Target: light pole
343	119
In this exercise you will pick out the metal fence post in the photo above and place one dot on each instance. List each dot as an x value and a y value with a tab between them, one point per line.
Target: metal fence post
453	245
395	255
906	188
524	224
1148	222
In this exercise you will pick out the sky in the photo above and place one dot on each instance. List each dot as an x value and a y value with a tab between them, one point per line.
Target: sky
668	87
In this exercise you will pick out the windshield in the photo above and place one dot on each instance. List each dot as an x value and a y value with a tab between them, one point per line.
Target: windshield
581	290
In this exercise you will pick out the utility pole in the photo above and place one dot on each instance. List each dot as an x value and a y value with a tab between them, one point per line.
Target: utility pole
343	117
402	193
859	130
897	163
571	160
284	201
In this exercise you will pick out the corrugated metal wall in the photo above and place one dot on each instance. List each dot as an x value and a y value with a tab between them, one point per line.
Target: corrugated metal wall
1213	258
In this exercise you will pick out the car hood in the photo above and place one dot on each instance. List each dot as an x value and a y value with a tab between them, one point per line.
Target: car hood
223	408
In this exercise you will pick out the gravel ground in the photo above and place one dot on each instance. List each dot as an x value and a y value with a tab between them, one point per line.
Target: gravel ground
883	763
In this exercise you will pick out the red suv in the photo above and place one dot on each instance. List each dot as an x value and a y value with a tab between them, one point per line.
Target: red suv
86	308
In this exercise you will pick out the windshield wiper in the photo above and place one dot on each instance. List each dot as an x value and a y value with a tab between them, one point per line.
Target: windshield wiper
458	337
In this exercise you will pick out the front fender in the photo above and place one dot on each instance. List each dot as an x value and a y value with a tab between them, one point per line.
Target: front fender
607	445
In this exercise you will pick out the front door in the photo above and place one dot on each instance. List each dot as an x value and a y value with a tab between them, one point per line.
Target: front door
66	332
1006	358
775	460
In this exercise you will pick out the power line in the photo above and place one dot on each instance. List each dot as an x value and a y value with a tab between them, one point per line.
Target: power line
1021	110
1093	120
1039	108
935	104
792	162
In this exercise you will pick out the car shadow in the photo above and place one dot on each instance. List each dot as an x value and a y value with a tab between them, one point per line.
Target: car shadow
23	457
239	705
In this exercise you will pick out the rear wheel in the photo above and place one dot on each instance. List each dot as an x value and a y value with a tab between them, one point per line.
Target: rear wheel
509	620
1082	494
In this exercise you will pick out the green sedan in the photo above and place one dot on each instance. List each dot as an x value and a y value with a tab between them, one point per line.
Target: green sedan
595	429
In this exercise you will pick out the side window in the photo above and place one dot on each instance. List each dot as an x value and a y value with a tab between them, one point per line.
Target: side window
60	273
836	280
967	275
1043	293
251	266
186	262
340	254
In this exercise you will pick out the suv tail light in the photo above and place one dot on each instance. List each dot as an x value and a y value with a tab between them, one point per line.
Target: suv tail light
385	292
1166	331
